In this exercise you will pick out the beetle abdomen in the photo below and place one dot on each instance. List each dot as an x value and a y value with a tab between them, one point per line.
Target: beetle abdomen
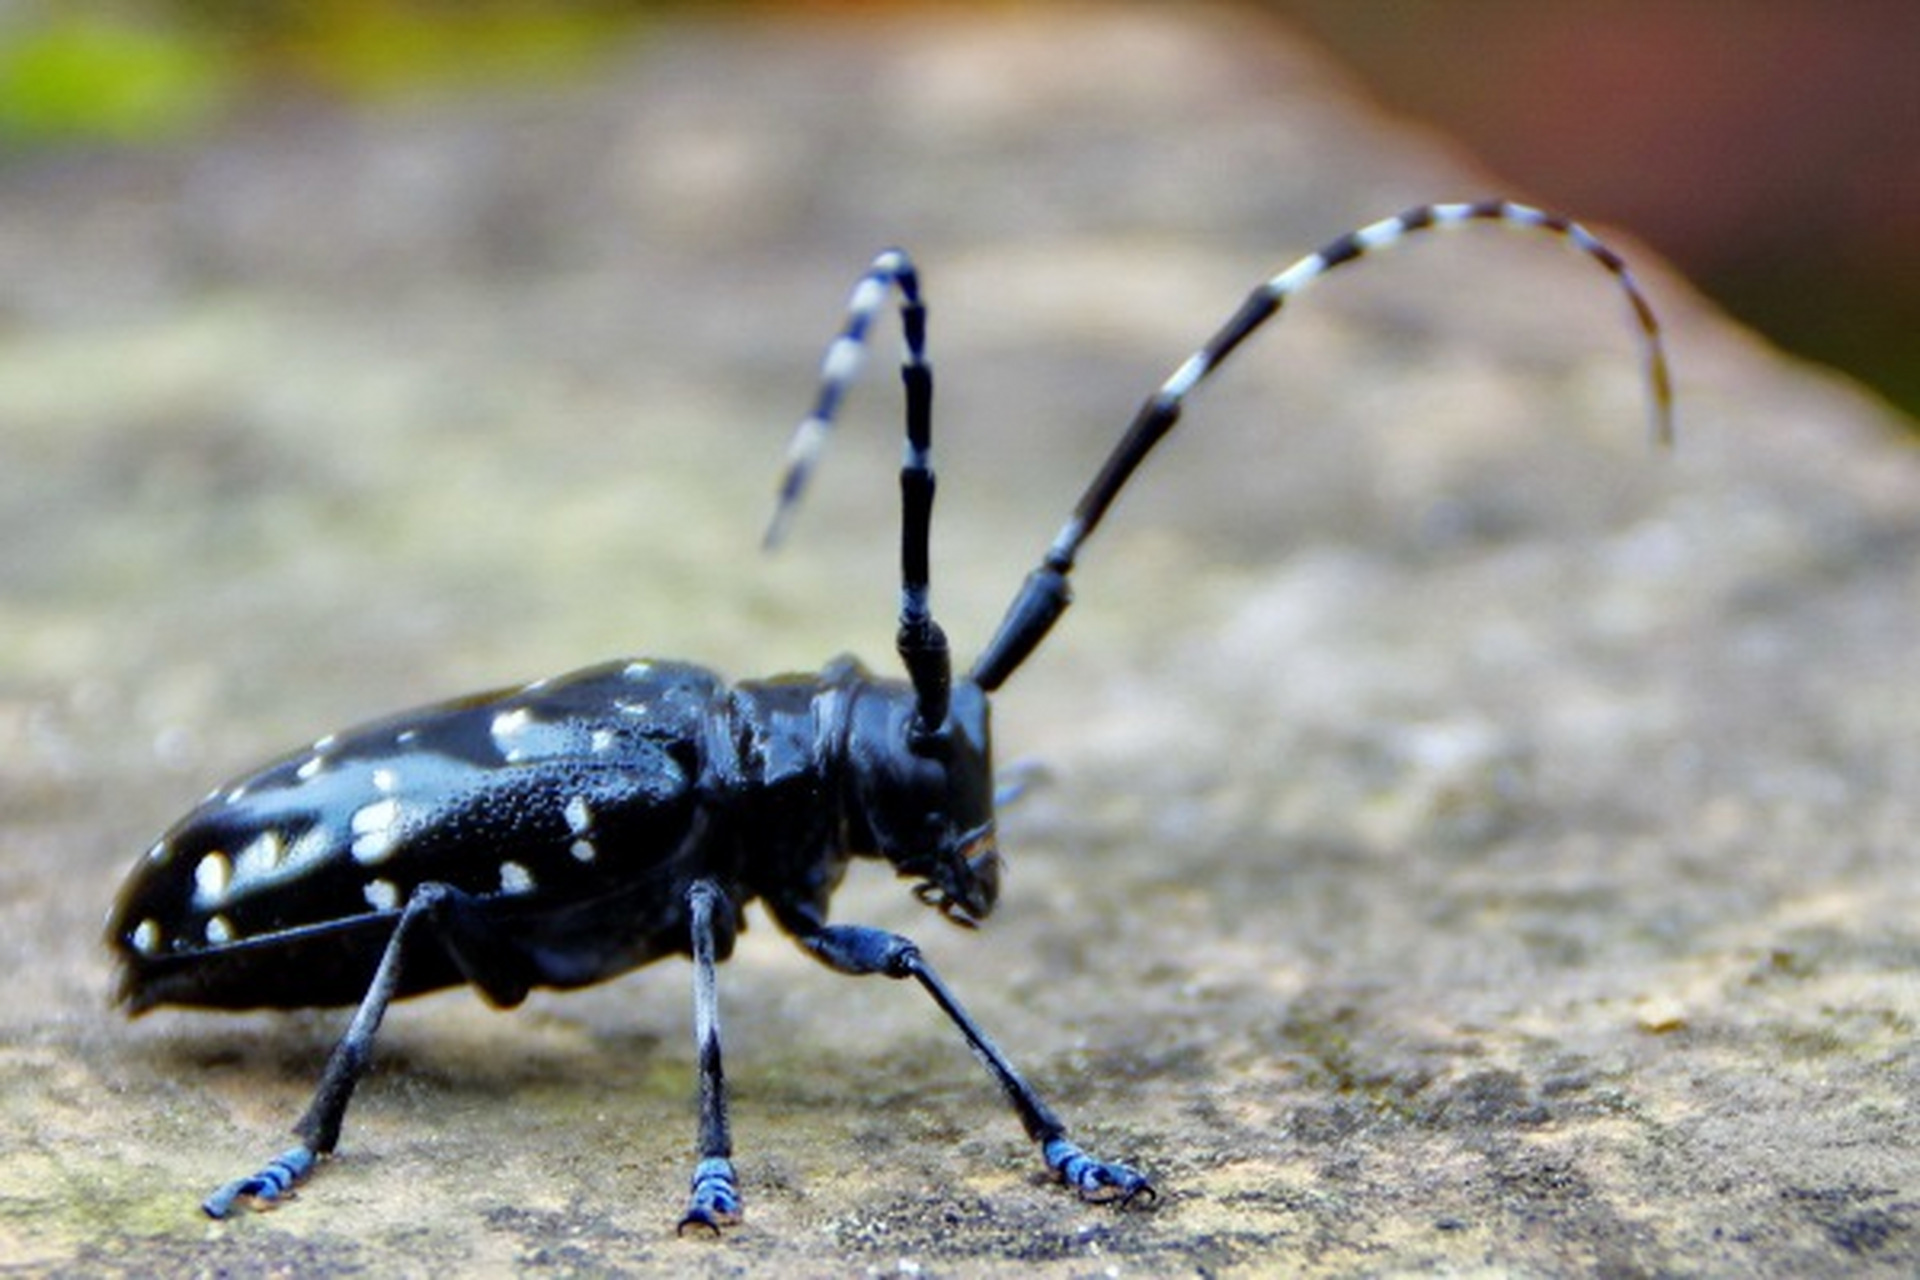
540	805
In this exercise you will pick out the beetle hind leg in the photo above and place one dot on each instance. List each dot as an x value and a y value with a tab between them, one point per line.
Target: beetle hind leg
446	913
265	1188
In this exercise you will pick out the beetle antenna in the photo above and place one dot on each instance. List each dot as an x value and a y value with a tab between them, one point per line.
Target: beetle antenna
1045	594
922	644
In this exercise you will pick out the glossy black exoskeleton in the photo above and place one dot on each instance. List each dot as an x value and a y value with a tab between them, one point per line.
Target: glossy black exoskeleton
567	831
572	814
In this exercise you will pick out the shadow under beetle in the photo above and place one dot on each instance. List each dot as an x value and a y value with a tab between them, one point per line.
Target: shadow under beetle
567	831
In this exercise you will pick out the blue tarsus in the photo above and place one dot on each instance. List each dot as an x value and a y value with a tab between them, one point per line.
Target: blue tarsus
1096	1180
265	1188
715	1201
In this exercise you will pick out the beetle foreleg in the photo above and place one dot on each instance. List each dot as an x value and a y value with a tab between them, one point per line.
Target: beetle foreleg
858	950
715	1199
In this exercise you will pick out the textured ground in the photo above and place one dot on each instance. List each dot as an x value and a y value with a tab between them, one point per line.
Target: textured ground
1474	841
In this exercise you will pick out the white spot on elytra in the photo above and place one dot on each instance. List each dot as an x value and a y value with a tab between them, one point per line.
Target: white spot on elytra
579	816
384	781
219	930
375	830
515	878
311	845
580	822
382	895
602	740
146	937
211	876
638	670
260	857
407	737
308	768
507	726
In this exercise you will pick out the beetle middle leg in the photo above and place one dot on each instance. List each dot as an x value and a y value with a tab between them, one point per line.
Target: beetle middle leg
450	916
859	950
715	1198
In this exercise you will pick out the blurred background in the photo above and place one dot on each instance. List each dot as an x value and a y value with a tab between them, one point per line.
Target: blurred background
1769	148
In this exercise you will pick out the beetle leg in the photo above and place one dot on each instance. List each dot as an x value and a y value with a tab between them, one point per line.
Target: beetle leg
859	950
265	1188
715	1199
441	908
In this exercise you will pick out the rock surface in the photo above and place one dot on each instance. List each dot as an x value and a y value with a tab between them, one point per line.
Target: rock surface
1472	841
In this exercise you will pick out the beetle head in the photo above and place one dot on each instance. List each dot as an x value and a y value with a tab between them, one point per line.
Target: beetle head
925	797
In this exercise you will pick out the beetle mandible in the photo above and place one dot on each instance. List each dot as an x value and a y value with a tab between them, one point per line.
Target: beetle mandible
564	832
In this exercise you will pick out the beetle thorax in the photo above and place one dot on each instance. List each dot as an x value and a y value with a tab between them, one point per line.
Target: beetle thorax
924	800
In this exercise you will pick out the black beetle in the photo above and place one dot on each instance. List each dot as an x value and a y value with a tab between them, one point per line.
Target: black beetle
567	831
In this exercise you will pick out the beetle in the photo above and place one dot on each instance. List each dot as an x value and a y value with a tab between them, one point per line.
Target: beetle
566	831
